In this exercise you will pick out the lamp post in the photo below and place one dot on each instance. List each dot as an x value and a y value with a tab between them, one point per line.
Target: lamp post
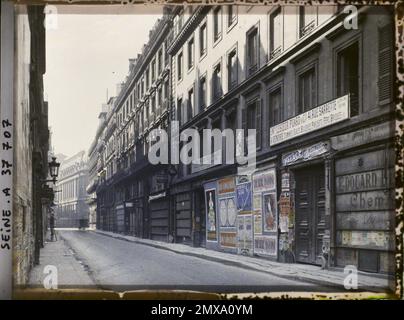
53	170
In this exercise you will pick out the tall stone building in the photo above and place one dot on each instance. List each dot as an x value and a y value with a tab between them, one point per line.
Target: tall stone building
71	200
30	143
319	96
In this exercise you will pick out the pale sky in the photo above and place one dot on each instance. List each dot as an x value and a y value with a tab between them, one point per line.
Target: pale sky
86	55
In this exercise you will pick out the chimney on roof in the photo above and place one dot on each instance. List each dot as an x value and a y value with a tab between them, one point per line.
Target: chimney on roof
132	63
119	87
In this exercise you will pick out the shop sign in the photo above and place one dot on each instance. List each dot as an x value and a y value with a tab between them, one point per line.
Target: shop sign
363	136
361	201
305	154
369	180
369	239
320	117
157	196
265	245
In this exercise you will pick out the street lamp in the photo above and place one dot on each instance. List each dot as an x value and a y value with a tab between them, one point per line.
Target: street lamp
53	170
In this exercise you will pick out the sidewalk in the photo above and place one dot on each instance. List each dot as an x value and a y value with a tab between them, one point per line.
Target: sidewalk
302	272
70	272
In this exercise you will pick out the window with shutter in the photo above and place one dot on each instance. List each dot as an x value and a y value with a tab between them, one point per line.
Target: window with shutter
386	50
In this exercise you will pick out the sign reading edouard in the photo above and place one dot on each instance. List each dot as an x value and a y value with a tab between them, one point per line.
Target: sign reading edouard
325	115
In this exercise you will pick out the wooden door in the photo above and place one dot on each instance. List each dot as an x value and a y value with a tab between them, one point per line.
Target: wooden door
310	214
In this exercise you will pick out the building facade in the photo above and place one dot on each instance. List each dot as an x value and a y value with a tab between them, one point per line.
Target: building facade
130	192
319	93
71	200
23	67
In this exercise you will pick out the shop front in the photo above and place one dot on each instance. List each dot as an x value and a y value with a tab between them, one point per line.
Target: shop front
365	198
159	216
304	204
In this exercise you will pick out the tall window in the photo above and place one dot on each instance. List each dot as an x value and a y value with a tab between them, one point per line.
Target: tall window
275	107
348	75
160	100
180	59
217	23
166	89
190	105
191	53
217	82
160	61
252	120
147	79
179	110
232	68
307	19
275	33
153	108
203	39
202	93
252	50
232	15
307	90
153	71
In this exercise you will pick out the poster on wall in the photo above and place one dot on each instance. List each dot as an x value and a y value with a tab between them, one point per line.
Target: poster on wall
264	181
228	239
257	224
245	234
244	197
269	212
227	213
284	211
226	185
265	245
211	226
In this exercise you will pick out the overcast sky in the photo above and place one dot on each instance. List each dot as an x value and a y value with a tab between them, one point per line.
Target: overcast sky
86	55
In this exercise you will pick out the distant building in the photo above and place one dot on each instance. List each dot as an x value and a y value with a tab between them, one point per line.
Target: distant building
71	208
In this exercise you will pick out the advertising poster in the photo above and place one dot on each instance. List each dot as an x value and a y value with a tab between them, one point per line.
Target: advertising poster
211	224
226	185
245	234
228	213
284	208
228	239
257	203
244	198
269	212
264	181
257	224
265	245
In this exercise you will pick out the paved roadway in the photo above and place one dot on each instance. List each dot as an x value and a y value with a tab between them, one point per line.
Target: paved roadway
121	265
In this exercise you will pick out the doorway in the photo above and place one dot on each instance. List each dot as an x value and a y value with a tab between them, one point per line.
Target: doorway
310	213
